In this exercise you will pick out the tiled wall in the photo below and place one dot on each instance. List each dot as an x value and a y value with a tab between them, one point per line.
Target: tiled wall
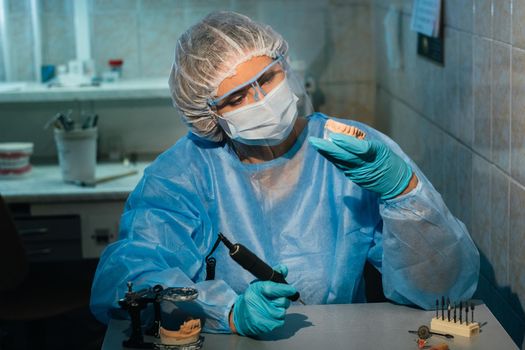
332	37
464	124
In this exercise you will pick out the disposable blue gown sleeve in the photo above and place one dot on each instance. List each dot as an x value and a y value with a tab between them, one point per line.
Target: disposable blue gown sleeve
164	236
426	252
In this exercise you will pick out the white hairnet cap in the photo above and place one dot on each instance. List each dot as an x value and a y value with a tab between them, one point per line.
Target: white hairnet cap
206	54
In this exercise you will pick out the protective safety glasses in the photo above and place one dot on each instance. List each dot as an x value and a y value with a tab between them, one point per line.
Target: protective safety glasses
255	83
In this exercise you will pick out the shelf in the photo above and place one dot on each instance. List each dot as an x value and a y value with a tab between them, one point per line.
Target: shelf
121	90
45	185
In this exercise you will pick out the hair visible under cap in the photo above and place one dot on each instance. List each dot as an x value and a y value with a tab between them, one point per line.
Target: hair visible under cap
209	52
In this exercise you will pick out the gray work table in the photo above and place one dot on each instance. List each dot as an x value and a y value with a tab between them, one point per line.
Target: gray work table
351	326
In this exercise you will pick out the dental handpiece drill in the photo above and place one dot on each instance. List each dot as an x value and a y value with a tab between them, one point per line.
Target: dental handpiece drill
253	264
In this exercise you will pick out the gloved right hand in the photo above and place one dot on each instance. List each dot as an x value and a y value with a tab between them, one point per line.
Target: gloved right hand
262	306
369	163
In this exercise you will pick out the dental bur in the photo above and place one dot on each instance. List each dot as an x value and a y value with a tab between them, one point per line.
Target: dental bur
450	324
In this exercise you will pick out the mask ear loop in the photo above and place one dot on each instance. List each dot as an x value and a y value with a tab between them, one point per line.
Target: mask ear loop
215	117
213	112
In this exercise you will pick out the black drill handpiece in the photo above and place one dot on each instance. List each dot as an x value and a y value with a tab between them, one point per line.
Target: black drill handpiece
251	262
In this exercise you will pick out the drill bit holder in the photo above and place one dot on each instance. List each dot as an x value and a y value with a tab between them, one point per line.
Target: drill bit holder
446	326
450	324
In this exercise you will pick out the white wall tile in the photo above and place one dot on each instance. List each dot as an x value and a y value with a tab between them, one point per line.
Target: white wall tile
350	101
518	23
482	96
501	61
502	20
115	36
499	209
58	45
21	47
464	173
350	51
481	197
518	116
466	90
451	114
459	14
483	18
450	171
145	127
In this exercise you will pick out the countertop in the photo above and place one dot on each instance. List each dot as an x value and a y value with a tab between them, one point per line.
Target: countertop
45	184
348	326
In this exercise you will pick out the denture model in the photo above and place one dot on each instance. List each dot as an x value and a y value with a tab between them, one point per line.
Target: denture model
188	333
341	128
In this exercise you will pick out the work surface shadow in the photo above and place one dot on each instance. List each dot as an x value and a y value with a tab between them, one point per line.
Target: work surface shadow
294	322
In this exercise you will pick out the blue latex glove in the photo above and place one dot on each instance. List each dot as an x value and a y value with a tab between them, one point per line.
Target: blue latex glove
263	306
370	164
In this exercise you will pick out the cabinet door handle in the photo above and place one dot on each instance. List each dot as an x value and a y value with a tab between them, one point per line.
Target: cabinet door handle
33	231
43	251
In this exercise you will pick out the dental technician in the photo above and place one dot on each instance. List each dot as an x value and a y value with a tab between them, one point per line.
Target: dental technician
259	167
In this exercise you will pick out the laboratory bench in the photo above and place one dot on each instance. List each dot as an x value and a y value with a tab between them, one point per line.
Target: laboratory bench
61	221
348	326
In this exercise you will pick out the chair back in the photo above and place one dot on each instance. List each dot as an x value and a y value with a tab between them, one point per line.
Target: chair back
373	284
13	261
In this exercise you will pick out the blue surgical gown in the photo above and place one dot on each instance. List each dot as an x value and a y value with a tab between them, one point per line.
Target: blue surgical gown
297	209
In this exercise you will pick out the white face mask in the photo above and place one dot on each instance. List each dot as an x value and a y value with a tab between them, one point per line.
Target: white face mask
265	122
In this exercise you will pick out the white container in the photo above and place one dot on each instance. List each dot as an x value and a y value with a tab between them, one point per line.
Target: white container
14	159
77	154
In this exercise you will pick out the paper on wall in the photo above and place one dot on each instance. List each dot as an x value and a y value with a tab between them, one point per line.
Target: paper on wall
426	17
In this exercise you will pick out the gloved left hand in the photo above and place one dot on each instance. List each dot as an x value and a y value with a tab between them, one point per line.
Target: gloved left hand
370	164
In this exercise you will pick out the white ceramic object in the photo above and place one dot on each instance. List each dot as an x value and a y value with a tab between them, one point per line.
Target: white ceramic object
14	159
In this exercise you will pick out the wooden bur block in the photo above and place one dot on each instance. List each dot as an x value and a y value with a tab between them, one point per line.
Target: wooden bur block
444	326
